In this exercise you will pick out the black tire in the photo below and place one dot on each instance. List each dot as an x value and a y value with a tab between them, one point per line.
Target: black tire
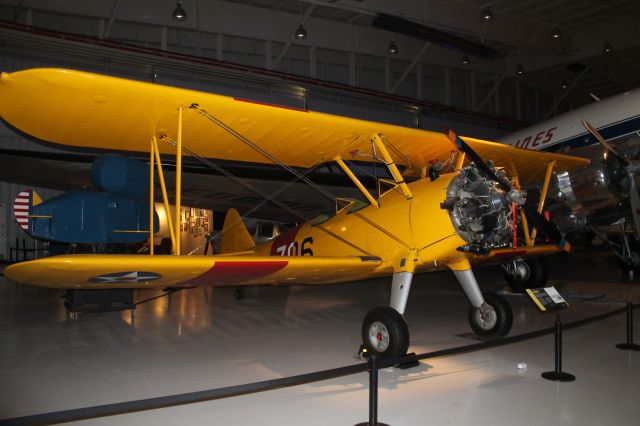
385	333
536	274
500	322
238	293
632	264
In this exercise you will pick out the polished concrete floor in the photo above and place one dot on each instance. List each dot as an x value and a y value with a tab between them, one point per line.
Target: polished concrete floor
203	338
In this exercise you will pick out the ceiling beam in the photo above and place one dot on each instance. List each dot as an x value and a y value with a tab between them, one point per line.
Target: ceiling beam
18	8
410	67
566	92
112	19
490	94
306	15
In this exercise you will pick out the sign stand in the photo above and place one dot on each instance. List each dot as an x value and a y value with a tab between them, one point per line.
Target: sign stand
558	375
549	300
629	345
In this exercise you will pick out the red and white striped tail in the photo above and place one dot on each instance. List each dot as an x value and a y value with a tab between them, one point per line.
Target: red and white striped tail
21	207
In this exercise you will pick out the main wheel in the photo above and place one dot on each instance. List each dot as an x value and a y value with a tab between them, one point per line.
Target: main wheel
385	333
529	273
631	263
493	322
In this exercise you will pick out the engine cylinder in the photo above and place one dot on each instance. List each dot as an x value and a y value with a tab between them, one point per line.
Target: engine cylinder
479	210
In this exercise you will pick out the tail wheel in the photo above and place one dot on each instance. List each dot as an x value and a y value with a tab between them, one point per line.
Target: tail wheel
385	333
493	320
524	274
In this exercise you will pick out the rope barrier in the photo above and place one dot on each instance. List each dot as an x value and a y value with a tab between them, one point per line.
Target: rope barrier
267	385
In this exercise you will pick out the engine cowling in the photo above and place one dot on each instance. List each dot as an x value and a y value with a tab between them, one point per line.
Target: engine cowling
592	192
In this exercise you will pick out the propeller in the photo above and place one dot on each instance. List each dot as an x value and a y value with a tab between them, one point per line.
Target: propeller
631	168
544	226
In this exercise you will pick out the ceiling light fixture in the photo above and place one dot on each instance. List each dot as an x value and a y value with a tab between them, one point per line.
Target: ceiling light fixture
520	70
564	84
556	34
300	33
393	47
607	48
487	14
465	60
179	14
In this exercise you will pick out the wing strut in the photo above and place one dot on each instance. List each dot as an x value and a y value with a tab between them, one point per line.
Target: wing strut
356	181
543	193
523	217
163	187
397	176
151	195
296	173
178	212
460	160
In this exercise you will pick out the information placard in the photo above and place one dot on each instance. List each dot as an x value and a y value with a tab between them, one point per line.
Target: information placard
547	299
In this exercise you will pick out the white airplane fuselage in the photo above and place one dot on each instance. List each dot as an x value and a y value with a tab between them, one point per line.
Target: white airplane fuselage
595	195
615	117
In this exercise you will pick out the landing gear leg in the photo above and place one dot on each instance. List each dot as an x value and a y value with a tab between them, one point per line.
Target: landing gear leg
490	315
627	251
630	259
384	331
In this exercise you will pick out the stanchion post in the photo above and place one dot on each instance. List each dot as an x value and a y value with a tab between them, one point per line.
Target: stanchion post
373	394
373	391
629	345
558	375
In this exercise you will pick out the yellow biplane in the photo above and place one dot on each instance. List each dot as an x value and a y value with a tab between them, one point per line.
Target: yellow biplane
443	206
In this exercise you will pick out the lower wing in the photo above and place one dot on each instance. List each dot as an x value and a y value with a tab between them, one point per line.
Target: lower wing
137	271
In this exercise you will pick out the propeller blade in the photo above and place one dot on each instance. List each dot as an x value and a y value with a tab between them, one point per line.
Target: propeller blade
609	147
544	226
479	162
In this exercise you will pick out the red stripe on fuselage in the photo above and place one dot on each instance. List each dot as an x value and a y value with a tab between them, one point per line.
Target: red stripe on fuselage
237	272
270	105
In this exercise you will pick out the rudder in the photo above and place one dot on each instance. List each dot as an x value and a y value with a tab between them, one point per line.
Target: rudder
23	207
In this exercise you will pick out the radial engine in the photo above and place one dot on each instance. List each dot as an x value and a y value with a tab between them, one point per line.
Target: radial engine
595	192
480	211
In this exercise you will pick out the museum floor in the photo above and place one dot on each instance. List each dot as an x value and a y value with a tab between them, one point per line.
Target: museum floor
204	338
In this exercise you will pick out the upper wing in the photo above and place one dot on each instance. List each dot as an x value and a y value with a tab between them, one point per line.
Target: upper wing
140	271
89	110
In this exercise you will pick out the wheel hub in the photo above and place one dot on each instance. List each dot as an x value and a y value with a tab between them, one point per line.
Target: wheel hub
379	336
522	271
486	317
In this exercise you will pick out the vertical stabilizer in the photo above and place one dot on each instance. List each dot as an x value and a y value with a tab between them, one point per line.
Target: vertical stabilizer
235	236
